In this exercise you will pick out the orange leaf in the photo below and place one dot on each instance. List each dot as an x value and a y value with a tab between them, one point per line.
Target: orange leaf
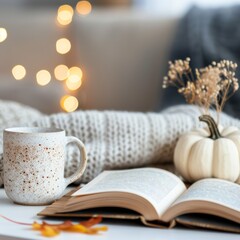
52	230
92	221
36	226
78	228
47	231
60	226
95	230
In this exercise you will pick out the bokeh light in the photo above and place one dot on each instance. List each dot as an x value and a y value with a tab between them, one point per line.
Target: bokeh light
74	80
73	85
18	72
84	7
75	73
43	77
3	34
69	103
65	14
63	45
61	72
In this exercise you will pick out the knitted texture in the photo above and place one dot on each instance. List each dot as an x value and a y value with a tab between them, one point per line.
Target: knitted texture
118	140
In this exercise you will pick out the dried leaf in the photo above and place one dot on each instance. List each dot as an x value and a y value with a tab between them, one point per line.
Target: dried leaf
52	230
61	226
48	231
92	221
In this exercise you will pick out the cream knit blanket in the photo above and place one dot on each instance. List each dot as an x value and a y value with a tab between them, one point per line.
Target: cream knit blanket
116	140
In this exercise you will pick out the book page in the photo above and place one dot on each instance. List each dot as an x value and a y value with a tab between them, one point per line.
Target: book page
160	187
214	190
205	196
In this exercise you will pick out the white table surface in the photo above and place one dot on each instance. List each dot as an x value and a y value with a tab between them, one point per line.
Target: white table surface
117	231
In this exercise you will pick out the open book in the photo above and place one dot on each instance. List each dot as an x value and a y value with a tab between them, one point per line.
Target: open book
156	195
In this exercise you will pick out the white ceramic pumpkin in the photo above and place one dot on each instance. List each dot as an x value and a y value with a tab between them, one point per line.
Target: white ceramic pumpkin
209	153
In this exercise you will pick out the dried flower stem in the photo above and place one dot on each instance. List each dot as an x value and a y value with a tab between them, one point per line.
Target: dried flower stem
211	87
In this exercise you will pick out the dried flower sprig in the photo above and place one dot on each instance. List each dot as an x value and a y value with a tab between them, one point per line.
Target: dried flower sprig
208	87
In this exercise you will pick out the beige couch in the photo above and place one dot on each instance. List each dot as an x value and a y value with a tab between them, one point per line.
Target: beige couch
123	55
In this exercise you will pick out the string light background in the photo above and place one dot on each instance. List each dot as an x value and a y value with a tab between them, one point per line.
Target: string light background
70	76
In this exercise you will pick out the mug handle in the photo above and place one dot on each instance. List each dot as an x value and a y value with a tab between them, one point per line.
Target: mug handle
83	163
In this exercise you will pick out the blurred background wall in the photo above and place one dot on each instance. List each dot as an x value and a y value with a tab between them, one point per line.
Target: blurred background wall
111	54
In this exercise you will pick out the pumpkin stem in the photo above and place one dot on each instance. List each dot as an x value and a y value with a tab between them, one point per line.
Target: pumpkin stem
214	132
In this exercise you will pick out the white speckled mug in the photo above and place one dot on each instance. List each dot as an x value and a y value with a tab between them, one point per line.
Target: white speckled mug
33	163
